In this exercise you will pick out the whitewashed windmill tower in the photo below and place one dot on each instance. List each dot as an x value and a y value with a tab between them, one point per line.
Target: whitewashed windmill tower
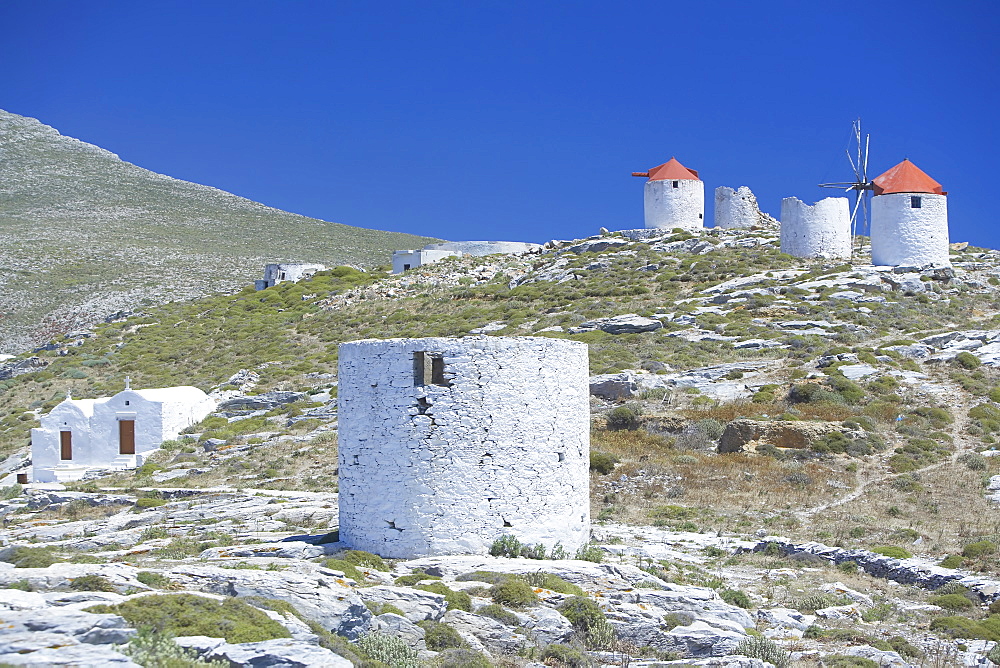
909	219
674	196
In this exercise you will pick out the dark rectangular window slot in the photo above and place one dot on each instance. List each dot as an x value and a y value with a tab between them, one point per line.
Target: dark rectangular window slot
406	267
676	184
914	202
428	369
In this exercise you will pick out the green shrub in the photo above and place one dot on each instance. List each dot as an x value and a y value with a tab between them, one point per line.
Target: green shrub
23	585
892	551
461	658
963	627
440	636
565	655
623	417
190	615
413	578
365	559
904	648
979	549
551	582
389	650
590	553
951	561
499	613
672	620
735	597
506	546
814	602
973	461
153	579
91	583
602	462
377	608
765	649
588	618
967	360
513	593
157	649
457	600
345	567
994	654
489	577
951	601
149	502
30	557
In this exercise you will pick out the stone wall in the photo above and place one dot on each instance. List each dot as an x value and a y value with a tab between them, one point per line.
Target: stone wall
447	444
737	209
906	236
683	206
481	248
821	230
411	259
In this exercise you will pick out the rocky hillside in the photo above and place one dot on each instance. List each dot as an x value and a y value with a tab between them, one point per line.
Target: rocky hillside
792	462
85	234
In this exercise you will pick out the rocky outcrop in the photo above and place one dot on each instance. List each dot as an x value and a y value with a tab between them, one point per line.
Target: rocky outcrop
744	435
630	323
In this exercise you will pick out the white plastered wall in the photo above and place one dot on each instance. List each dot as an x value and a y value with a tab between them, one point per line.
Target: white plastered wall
736	209
432	469
415	258
667	207
906	236
821	230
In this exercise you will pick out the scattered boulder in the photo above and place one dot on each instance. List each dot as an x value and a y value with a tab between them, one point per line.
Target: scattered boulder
11	369
262	402
417	605
614	386
281	653
630	323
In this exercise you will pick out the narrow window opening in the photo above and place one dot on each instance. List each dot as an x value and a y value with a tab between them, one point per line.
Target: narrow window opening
562	456
507	524
406	267
423	405
282	275
914	202
676	184
701	216
356	462
428	369
126	402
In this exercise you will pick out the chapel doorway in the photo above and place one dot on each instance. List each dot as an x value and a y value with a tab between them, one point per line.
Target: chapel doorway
126	437
65	445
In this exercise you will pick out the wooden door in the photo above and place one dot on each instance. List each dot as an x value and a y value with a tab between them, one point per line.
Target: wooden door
126	437
65	445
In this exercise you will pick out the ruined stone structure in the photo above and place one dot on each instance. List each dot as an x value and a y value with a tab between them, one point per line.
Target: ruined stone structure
277	272
674	197
821	230
403	260
113	433
447	444
737	209
909	219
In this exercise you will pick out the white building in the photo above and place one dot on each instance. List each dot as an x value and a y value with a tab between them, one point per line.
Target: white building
674	197
822	230
909	219
113	432
277	272
447	444
402	260
737	209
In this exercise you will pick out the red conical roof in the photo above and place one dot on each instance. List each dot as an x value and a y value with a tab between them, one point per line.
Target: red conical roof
906	178
671	170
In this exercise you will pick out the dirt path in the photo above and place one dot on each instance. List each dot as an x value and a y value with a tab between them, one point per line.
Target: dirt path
957	402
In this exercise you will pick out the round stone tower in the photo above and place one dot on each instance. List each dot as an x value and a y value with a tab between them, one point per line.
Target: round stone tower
674	197
909	219
447	444
821	230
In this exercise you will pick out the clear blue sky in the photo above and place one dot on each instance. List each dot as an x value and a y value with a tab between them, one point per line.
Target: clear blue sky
514	120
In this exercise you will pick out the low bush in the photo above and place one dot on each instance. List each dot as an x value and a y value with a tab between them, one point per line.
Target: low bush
456	600
735	597
149	502
623	417
765	649
967	360
951	561
190	615
950	601
904	647
979	549
154	648
565	655
602	462
892	551
348	569
91	583
847	661
814	602
963	627
513	593
499	613
588	618
461	658
973	461
377	608
552	583
364	559
413	578
440	636
154	579
389	650
30	557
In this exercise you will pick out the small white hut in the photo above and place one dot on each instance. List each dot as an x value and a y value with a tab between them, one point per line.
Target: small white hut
113	433
909	219
674	196
821	230
275	273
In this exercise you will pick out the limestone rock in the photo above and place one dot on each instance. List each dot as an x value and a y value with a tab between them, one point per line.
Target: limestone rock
15	599
491	633
786	617
401	627
546	626
614	386
279	653
740	434
84	627
630	323
73	656
417	605
262	402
